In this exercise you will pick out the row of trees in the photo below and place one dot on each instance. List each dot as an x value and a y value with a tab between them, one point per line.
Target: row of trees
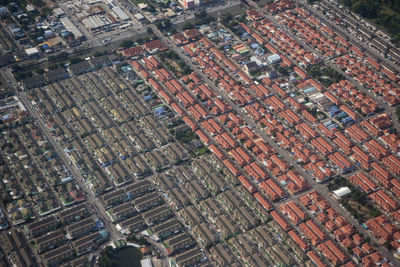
325	75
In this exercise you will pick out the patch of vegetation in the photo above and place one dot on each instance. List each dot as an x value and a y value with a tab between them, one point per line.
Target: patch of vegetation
105	257
39	71
46	11
200	18
145	39
100	53
398	113
357	202
38	3
75	60
20	75
201	151
203	18
164	25
173	123
136	2
174	63
315	111
169	54
325	75
229	21
141	240
126	43
186	136
110	257
53	67
151	8
187	26
165	4
284	71
59	57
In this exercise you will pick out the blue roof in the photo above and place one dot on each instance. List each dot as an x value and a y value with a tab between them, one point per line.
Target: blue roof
347	120
333	108
342	115
254	45
103	233
160	111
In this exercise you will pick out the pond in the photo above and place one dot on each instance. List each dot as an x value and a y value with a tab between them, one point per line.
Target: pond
127	257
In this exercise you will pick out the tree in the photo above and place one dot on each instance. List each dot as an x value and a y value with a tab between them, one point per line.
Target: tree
226	18
202	14
167	23
159	25
98	54
398	112
187	26
165	4
143	241
39	71
126	43
151	8
75	60
105	257
53	67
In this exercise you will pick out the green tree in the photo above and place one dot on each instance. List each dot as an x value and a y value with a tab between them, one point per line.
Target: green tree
202	14
167	23
39	71
126	43
98	54
227	18
187	26
75	60
151	8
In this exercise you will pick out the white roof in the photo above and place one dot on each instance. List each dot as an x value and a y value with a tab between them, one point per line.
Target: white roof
146	263
339	193
256	60
58	11
120	13
139	16
71	27
274	57
30	8
142	5
31	51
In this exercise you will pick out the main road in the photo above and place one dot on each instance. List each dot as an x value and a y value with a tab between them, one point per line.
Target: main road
321	188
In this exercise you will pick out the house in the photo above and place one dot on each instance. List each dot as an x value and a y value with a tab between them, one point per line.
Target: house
273	59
